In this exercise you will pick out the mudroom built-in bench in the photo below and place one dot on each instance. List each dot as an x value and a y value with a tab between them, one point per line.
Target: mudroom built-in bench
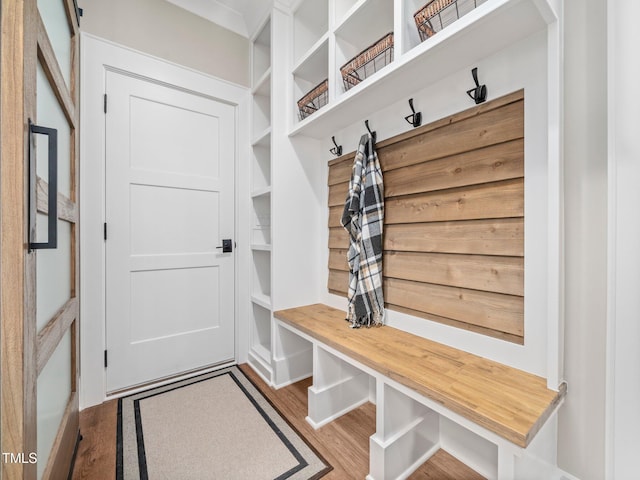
425	393
453	255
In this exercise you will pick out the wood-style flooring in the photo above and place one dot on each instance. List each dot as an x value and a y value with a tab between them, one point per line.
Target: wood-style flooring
344	443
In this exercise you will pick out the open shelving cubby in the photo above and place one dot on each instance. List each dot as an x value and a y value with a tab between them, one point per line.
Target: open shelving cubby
261	225
489	28
310	24
310	49
260	198
261	165
261	53
364	24
311	70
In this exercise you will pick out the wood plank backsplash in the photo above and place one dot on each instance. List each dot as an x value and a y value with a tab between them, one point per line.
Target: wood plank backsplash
454	220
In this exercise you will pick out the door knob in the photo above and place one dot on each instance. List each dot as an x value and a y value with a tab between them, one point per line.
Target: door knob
227	245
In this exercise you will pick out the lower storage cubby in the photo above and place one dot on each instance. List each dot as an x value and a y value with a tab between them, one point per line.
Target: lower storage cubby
292	359
407	434
261	332
338	387
473	450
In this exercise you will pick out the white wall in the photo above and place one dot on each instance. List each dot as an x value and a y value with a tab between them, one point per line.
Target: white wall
582	419
164	30
623	385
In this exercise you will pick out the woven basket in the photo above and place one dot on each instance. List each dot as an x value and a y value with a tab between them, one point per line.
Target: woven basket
314	100
437	14
367	62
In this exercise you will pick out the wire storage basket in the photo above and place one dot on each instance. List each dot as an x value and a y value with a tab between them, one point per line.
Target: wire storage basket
368	62
438	14
313	101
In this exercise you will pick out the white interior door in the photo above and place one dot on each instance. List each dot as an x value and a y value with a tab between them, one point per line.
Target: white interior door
169	204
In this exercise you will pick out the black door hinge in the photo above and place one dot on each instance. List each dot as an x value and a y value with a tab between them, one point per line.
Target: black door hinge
105	103
105	230
105	359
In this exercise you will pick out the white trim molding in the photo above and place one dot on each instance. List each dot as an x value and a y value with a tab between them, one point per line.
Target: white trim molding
622	442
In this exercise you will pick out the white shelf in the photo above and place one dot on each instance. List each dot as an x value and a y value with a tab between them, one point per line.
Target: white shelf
489	28
262	300
263	138
260	195
258	192
263	85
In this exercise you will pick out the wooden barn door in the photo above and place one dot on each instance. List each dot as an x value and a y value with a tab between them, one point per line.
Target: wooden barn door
39	237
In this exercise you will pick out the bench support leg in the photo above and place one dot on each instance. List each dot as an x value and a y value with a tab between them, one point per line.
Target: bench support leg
506	464
407	435
338	388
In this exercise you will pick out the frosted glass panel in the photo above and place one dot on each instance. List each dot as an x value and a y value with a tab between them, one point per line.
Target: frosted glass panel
53	271
55	20
54	390
50	114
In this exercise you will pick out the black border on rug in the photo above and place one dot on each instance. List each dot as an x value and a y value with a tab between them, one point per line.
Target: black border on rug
321	473
142	464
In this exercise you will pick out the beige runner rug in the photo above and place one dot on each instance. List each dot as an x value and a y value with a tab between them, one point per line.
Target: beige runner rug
215	426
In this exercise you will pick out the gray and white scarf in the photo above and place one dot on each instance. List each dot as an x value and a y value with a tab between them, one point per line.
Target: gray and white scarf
363	218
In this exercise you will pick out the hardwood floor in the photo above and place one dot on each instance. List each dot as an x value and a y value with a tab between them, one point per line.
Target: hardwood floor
96	455
344	443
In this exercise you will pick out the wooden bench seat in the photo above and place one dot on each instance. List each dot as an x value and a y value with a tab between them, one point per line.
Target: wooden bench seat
509	402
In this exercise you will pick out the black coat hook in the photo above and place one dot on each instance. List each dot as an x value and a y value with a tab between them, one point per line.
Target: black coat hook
479	93
337	150
415	118
373	134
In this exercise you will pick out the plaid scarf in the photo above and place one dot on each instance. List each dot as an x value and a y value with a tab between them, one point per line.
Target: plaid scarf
363	218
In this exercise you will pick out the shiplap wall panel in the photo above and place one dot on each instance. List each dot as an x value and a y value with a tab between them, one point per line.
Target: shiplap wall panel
478	272
490	128
494	163
480	237
454	220
490	310
489	200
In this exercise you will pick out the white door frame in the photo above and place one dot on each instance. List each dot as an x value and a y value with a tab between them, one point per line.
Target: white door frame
97	56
